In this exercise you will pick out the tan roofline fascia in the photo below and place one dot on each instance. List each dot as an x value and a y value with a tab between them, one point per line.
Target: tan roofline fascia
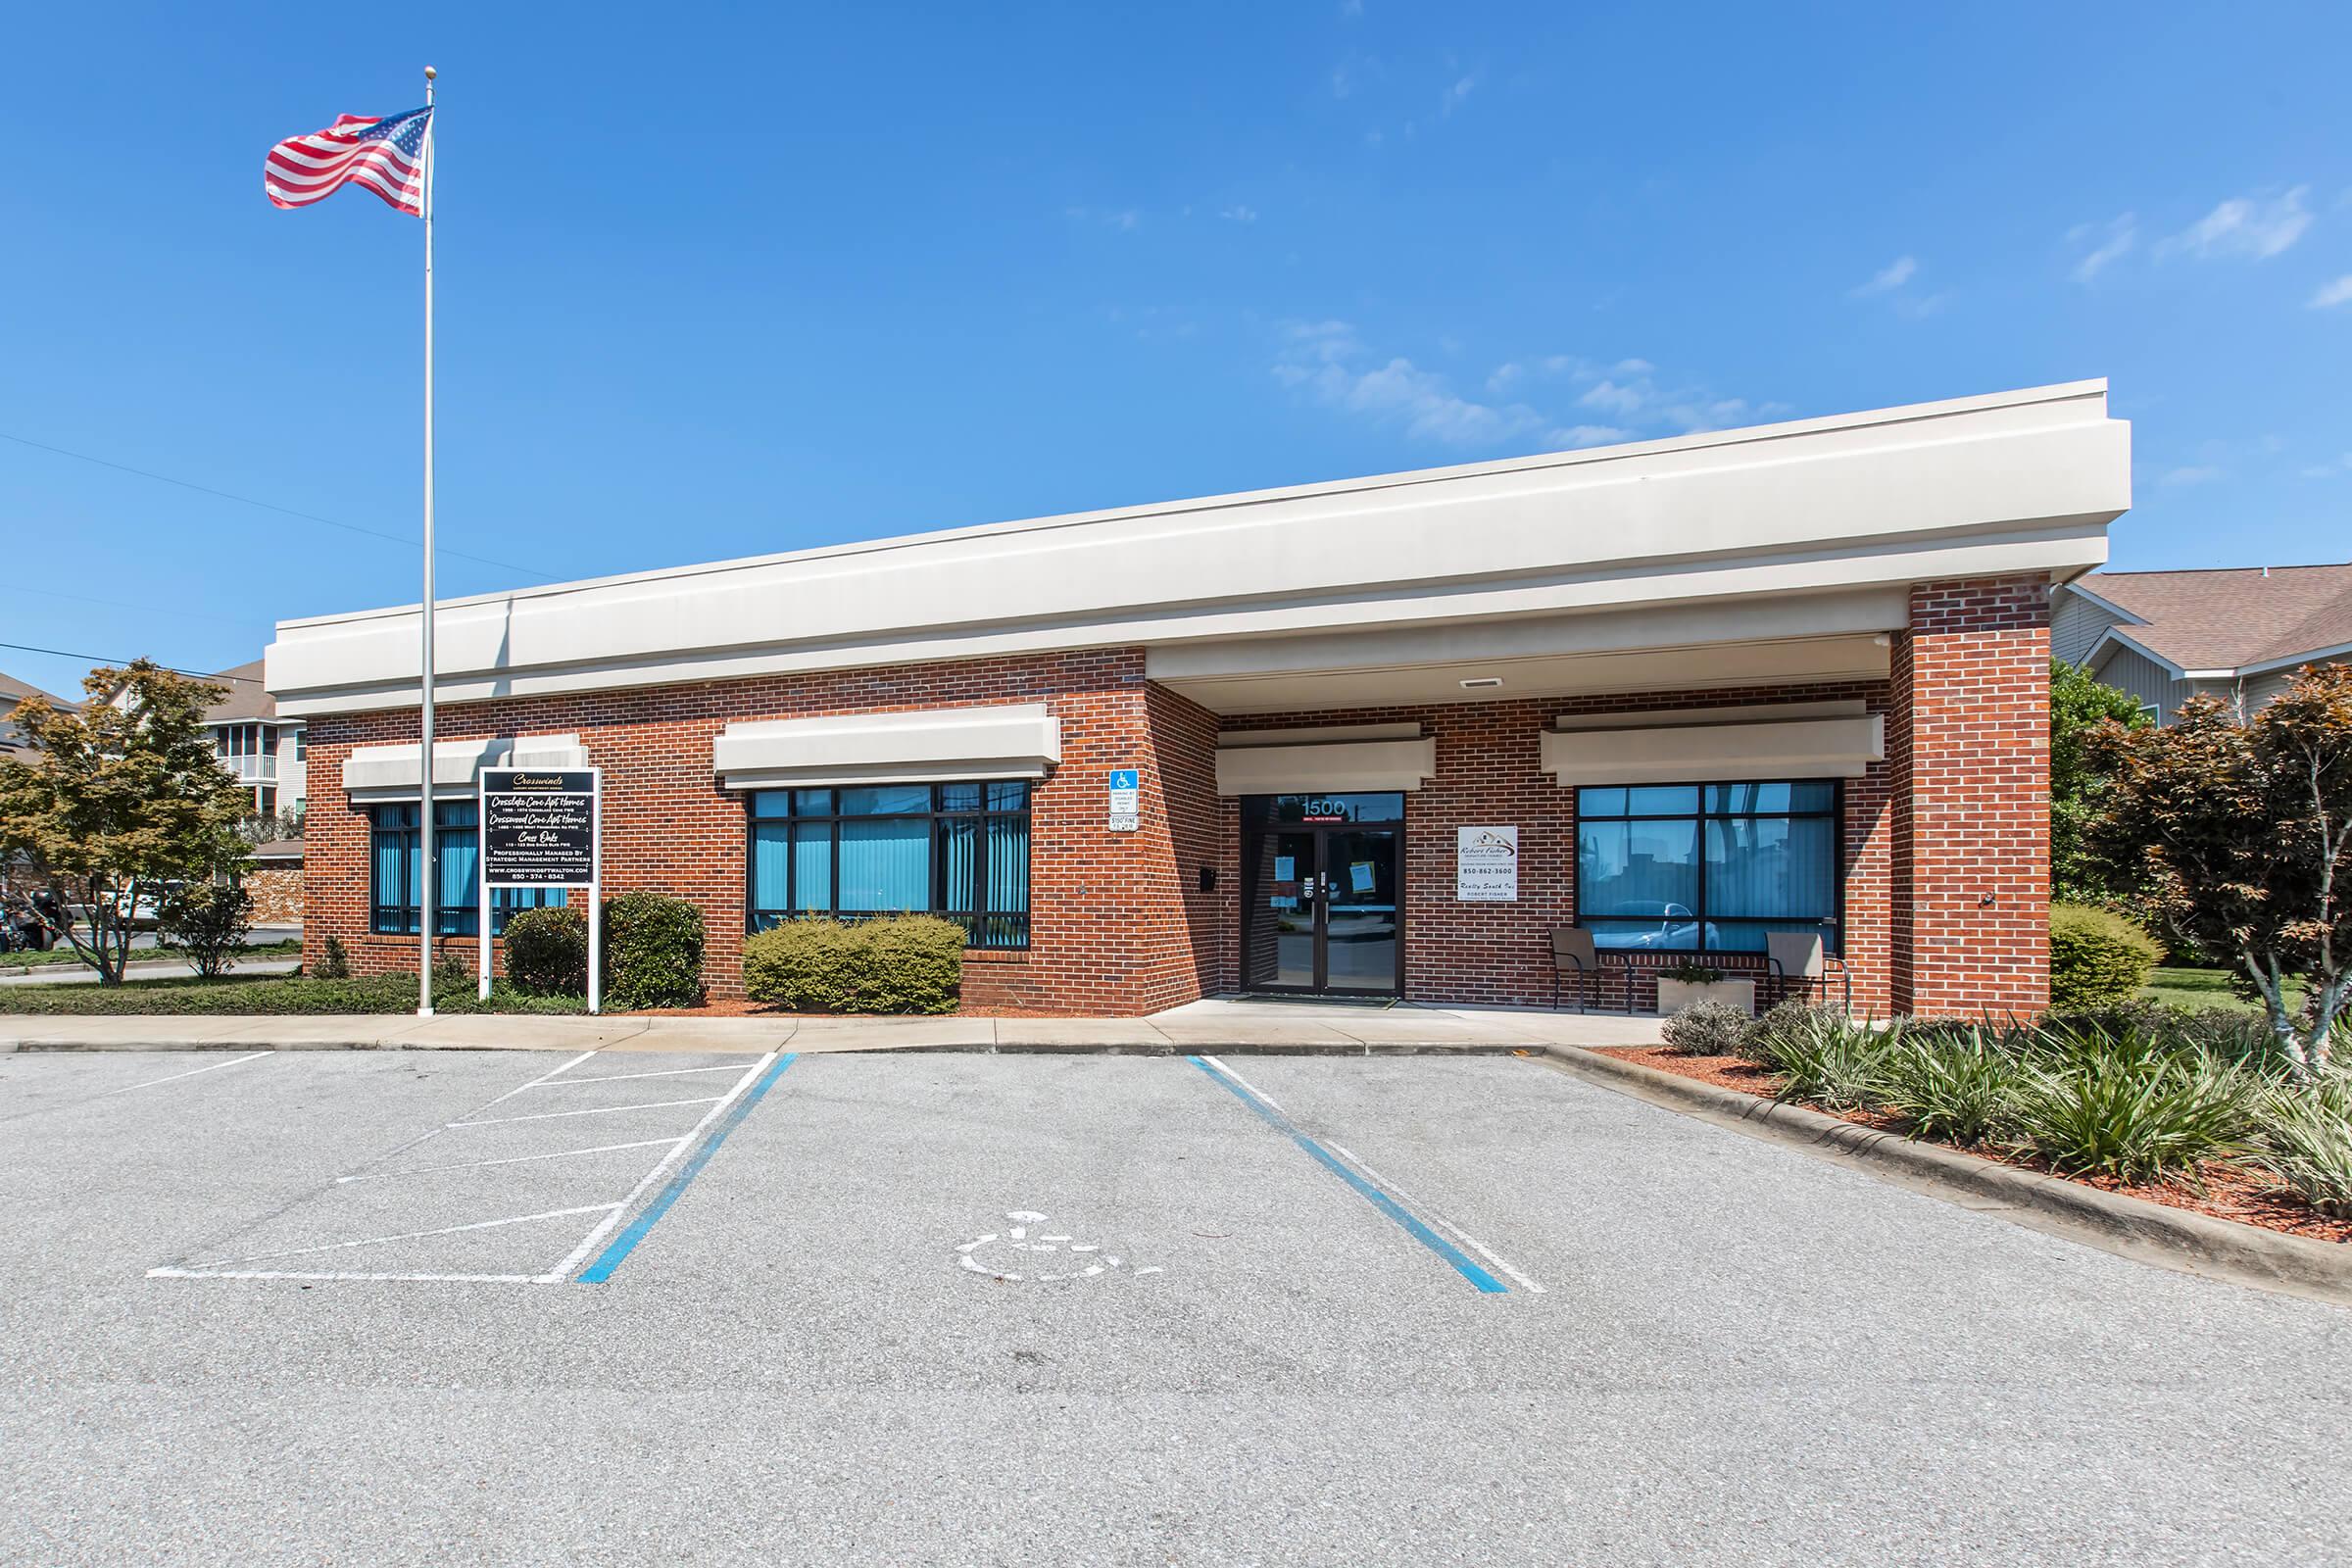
2132	616
2312	657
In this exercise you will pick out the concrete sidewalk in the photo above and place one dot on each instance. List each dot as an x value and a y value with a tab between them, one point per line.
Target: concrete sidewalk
1214	1025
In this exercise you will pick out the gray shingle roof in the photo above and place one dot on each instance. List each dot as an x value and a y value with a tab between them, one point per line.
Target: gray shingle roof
2233	617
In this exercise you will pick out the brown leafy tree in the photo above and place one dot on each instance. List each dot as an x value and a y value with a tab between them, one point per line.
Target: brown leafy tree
118	799
2243	835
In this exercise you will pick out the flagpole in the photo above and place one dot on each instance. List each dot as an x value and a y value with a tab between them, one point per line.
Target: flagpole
429	873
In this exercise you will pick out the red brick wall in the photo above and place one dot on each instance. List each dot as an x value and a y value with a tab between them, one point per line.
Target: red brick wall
1120	924
1490	773
1113	930
1972	759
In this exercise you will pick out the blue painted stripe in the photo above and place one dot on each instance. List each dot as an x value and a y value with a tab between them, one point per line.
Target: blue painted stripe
1355	1179
626	1242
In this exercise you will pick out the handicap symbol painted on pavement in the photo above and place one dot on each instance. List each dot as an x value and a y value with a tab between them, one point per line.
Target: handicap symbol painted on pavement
1025	1252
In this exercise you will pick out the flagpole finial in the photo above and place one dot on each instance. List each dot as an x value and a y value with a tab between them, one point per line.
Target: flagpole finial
430	72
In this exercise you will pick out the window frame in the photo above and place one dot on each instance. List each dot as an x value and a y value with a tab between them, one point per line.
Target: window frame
758	918
1833	925
454	920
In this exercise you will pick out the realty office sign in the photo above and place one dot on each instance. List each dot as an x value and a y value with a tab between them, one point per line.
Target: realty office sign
542	827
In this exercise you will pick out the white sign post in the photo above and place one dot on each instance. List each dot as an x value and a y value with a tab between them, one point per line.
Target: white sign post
1486	865
543	827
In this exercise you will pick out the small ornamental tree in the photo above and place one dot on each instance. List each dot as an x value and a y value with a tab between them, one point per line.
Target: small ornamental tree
2079	705
118	799
2242	834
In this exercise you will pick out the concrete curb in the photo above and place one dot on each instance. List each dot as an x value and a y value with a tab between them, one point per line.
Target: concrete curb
36	1045
2178	1239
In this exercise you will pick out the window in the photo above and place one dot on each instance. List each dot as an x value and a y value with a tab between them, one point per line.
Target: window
1706	867
302	744
960	851
395	860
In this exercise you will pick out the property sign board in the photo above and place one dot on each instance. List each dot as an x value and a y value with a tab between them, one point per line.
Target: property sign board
1126	799
542	827
538	827
1486	865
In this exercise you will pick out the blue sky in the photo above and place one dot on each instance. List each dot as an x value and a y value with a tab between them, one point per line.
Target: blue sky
718	281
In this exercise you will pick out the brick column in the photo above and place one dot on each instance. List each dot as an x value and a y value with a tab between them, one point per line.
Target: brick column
1967	744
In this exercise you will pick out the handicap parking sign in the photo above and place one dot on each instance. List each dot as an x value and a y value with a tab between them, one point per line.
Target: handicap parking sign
1126	799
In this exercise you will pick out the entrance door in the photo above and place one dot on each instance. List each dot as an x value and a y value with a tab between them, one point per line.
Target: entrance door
1323	907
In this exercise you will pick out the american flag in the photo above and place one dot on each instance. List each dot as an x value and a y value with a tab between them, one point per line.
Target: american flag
385	154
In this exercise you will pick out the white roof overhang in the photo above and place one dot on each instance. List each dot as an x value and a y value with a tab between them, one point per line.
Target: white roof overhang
1012	741
2020	482
1331	761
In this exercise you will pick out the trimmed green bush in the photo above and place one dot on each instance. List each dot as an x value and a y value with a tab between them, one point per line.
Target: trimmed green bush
206	922
903	964
547	950
1706	1028
334	963
653	951
2096	956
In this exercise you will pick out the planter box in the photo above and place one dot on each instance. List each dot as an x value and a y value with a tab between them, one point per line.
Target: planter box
1675	995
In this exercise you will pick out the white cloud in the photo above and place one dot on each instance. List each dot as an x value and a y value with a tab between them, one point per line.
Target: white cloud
2110	241
2255	226
2330	295
1236	215
2329	470
1893	276
2193	473
1126	220
1456	94
1330	362
1611	398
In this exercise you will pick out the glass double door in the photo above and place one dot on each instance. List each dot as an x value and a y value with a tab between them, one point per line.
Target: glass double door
1324	911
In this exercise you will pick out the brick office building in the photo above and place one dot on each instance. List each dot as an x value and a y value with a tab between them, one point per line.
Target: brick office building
1698	690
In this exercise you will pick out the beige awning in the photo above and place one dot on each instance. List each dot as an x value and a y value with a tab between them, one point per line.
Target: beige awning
1382	756
381	773
1016	740
1796	740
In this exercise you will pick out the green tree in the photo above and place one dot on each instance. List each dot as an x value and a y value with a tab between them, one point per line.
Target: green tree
117	801
2079	705
2243	835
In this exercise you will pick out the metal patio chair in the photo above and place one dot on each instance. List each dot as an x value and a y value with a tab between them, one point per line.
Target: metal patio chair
1802	962
1572	952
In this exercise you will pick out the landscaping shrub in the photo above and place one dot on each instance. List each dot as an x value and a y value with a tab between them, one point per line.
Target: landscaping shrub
1836	1063
547	950
1793	1017
904	964
2096	956
2132	1111
207	922
2303	1138
272	995
334	963
653	951
1706	1028
1954	1084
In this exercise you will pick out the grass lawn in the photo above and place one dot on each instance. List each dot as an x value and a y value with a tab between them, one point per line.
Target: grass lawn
2201	988
272	994
290	949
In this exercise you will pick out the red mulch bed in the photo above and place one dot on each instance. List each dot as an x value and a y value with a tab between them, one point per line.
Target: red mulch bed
740	1009
2247	1196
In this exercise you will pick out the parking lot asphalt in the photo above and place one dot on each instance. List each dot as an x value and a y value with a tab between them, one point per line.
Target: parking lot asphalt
305	1307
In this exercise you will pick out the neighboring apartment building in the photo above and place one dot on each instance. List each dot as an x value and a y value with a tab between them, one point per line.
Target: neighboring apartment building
12	692
1375	737
2237	633
267	754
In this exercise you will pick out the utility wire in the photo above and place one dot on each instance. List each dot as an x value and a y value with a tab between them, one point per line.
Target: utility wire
96	659
267	506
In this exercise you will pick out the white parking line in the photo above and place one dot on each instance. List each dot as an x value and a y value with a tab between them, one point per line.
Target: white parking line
328	1274
1221	1066
405	1236
594	1111
625	1077
1435	1218
192	1072
610	1222
512	1159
